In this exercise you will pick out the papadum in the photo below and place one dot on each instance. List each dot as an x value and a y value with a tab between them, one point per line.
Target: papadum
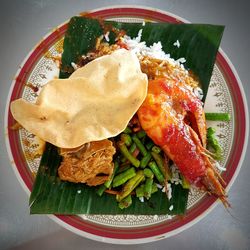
95	103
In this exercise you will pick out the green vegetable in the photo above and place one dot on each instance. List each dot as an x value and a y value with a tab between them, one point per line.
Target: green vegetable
131	185
213	143
159	160
127	130
135	162
101	190
125	203
141	134
148	188
154	188
132	148
185	183
140	191
159	176
218	116
199	44
145	160
139	145
123	167
107	183
123	177
149	145
148	173
156	149
126	139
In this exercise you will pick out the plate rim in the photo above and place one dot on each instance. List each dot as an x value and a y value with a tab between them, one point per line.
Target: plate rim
57	218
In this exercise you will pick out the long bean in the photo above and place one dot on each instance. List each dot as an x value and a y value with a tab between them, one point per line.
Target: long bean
145	160
154	188
156	149
148	173
159	176
132	148
126	139
159	161
141	134
101	190
149	145
148	188
140	145
123	177
135	162
131	185
140	191
213	142
127	130
125	166
126	202
218	116
107	183
185	184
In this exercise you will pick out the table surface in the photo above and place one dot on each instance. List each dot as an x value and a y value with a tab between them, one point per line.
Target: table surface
22	24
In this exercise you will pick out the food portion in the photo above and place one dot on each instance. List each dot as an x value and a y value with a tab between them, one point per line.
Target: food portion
162	116
129	119
90	163
95	103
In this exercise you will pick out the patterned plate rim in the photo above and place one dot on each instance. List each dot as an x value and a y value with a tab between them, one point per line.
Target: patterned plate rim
143	234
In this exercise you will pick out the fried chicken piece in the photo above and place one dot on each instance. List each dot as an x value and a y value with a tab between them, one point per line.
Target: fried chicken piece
90	163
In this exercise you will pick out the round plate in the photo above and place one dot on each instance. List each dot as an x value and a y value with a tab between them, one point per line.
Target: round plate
225	94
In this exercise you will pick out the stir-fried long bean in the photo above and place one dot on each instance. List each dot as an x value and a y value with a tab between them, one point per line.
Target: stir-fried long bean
145	160
141	134
128	155
107	184
123	177
159	176
159	161
131	185
213	142
148	173
101	190
140	145
125	203
148	187
140	169
126	139
218	116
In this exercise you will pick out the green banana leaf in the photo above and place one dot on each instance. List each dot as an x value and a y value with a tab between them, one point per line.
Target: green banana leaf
199	46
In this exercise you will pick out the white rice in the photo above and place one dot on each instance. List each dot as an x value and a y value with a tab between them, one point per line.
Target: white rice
156	217
219	167
75	66
175	175
198	92
177	44
169	191
155	51
141	199
106	36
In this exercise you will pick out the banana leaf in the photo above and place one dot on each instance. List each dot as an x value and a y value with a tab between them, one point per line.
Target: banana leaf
198	45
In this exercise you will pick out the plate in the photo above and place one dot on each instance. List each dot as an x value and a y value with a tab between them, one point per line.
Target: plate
225	94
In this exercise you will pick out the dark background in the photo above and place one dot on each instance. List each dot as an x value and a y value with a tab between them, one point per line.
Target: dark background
22	25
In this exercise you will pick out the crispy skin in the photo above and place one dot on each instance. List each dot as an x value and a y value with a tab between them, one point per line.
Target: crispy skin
90	163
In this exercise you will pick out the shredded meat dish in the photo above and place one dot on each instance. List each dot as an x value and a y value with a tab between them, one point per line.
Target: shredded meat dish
90	163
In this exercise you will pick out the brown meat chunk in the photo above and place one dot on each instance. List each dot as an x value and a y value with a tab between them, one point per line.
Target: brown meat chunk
90	163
